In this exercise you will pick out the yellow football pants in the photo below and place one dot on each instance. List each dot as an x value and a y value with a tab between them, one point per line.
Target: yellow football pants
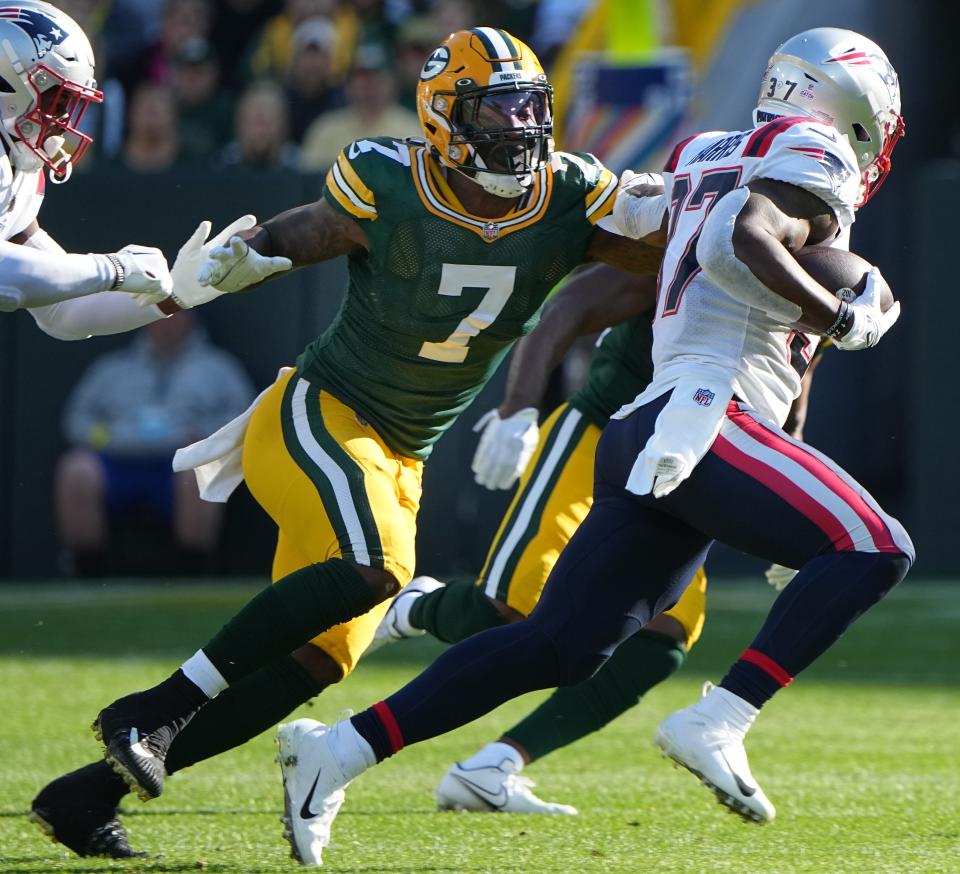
335	490
553	498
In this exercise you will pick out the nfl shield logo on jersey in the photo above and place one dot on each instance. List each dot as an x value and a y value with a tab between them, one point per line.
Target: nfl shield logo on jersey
704	397
490	231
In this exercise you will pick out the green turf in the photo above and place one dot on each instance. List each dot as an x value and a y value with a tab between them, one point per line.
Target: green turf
860	756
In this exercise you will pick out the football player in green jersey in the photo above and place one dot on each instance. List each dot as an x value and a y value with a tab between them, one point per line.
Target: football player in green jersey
453	244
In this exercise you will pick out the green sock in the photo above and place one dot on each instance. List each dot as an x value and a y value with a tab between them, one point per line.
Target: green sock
287	614
251	705
572	712
455	612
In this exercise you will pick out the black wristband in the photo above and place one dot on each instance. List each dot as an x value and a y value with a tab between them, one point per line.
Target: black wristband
839	323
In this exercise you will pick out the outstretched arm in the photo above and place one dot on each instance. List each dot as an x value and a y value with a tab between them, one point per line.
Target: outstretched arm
96	314
595	298
33	273
300	236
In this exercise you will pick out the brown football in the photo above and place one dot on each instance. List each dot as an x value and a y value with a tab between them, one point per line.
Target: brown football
836	268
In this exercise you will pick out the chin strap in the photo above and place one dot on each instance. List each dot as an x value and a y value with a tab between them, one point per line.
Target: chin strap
59	180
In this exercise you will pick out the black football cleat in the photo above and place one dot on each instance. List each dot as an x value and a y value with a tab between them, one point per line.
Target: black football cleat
79	811
136	732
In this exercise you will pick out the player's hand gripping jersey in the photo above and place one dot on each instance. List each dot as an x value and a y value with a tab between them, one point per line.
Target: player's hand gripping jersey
441	295
699	328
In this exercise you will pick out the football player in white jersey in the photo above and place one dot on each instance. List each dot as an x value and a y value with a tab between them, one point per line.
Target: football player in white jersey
47	84
700	455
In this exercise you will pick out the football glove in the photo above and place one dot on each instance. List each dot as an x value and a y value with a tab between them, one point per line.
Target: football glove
187	291
870	323
505	449
778	576
642	212
141	270
235	266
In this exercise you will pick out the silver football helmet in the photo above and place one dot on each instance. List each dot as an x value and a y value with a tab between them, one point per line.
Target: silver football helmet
46	85
842	78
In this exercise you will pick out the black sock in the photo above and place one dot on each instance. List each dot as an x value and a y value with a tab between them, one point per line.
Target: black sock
571	712
250	706
287	614
178	694
457	611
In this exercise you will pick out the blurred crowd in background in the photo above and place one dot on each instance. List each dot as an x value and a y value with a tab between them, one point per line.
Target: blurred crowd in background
262	84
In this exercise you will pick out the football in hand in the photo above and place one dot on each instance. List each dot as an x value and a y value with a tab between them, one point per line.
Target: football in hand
836	268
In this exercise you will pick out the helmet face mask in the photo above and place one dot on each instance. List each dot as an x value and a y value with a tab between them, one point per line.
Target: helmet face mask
508	127
46	86
491	119
844	79
51	130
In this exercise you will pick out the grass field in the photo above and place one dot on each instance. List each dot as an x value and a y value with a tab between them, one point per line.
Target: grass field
861	756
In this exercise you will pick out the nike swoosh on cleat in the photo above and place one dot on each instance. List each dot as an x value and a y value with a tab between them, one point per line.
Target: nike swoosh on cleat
138	747
745	788
305	811
497	800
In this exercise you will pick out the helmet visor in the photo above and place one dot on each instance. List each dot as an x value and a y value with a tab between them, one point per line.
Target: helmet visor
509	129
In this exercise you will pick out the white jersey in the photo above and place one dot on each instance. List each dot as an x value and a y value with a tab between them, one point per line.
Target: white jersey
21	195
699	326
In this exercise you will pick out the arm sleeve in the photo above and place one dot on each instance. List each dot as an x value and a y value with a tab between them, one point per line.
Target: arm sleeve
96	314
33	276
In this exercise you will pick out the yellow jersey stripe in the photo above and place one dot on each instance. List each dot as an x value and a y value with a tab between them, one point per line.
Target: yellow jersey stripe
347	199
603	205
354	181
606	177
432	199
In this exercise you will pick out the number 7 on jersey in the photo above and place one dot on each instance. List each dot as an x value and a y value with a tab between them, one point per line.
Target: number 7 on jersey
497	280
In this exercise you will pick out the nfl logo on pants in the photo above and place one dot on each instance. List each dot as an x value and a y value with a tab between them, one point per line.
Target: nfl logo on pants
704	397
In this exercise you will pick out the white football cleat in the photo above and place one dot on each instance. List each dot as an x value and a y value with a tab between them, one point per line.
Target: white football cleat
313	785
395	624
493	790
711	750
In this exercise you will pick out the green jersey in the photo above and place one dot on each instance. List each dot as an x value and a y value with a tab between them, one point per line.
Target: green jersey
435	304
621	368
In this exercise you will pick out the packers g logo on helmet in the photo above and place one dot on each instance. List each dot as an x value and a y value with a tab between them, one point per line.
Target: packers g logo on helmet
436	63
487	109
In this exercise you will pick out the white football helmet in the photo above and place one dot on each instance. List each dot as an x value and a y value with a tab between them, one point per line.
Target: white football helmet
842	78
46	85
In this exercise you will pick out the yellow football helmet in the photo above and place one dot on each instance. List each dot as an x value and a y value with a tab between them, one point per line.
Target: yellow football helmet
487	109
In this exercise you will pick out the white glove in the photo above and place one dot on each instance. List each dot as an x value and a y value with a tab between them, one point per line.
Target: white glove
869	322
187	291
637	214
144	272
778	576
505	449
235	266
